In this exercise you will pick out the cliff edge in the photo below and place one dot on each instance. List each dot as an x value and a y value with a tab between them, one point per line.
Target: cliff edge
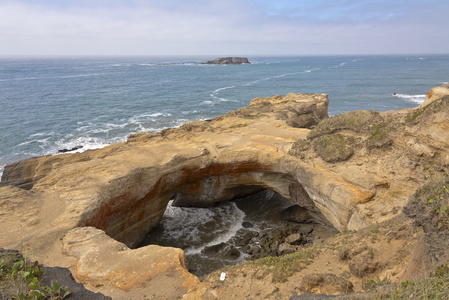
356	169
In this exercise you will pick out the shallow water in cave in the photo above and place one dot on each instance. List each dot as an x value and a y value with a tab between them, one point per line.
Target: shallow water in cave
225	234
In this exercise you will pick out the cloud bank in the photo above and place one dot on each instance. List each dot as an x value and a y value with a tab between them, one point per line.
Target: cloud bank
203	27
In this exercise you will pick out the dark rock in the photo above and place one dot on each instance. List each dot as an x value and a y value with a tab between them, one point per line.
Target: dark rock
232	253
64	277
229	61
244	240
212	250
297	213
69	150
306	229
247	225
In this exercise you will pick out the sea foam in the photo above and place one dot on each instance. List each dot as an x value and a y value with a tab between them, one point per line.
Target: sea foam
412	98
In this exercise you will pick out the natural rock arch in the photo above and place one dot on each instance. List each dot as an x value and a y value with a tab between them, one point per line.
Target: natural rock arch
47	202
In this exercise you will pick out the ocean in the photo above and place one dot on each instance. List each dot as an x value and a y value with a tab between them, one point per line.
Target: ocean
50	104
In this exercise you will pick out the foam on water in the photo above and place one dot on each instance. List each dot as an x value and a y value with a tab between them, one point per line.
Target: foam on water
207	235
412	98
194	229
52	104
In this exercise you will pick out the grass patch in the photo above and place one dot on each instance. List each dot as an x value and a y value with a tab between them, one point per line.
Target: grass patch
380	135
357	121
286	265
335	147
436	106
435	287
433	199
19	279
238	126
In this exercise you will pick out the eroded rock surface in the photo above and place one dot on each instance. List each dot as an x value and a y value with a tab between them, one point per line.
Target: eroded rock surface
285	144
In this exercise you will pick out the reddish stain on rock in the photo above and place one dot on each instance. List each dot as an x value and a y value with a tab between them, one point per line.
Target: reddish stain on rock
127	209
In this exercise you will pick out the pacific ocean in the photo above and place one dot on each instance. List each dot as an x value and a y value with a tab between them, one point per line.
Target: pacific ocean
49	104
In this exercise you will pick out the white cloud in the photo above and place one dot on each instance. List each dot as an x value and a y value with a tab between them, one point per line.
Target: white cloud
219	27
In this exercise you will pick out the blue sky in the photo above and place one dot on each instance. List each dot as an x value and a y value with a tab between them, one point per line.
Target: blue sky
223	27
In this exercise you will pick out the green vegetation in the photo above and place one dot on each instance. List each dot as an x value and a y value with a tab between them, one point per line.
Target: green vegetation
238	126
438	105
416	113
434	287
335	147
19	279
357	121
286	265
380	135
433	199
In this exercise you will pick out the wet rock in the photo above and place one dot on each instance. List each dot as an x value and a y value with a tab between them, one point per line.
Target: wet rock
328	284
247	225
215	249
232	253
244	240
69	150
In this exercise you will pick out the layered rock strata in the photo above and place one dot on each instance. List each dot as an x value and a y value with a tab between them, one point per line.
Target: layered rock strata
352	170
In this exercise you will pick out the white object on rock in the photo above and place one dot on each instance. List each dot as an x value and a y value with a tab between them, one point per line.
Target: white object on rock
222	276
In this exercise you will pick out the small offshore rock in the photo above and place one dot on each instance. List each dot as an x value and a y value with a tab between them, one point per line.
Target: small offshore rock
229	61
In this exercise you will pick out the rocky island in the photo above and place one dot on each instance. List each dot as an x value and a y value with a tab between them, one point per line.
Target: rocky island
229	61
361	172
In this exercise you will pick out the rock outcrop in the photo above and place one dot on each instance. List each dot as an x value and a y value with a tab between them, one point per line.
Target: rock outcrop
352	170
229	61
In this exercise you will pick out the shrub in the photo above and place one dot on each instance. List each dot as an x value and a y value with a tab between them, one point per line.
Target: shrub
335	147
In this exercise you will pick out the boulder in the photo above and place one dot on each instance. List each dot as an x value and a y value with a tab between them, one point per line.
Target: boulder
159	270
286	248
294	239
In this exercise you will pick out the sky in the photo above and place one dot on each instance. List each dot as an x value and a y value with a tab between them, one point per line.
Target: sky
223	27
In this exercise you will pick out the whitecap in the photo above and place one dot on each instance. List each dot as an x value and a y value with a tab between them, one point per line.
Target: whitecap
412	98
87	143
234	216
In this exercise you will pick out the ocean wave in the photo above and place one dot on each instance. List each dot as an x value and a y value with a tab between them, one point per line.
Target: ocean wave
2	167
87	143
52	77
412	98
215	92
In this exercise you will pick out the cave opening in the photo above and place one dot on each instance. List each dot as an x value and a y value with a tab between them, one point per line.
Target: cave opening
232	232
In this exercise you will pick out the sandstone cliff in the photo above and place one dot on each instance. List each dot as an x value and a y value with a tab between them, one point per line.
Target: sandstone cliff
355	169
